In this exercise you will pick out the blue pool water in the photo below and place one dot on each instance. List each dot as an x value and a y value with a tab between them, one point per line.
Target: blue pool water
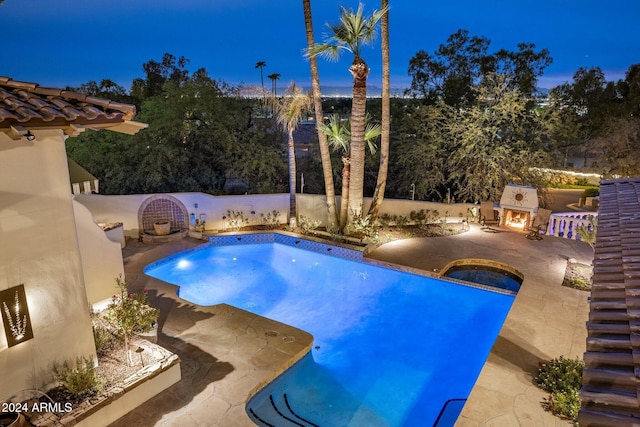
391	348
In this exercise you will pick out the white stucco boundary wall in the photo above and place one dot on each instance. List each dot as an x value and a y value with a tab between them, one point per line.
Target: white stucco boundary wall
124	208
101	258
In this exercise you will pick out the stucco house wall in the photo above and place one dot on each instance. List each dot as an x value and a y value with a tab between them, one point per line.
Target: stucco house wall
101	258
39	248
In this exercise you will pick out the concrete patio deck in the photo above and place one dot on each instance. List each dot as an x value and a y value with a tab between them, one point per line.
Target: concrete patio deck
227	352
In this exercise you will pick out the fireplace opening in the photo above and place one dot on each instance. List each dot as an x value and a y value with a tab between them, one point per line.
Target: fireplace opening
516	219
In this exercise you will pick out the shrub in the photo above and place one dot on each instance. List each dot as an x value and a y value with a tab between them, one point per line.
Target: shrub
80	380
307	224
400	220
236	219
472	214
102	338
560	374
271	219
363	226
591	192
561	378
384	220
419	218
587	232
564	404
129	314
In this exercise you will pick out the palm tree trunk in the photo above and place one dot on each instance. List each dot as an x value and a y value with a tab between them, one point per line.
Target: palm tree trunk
292	176
344	200
360	71
381	183
325	155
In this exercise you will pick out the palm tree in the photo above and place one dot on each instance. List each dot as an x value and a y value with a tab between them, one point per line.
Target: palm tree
325	155
353	32
381	183
274	77
289	112
261	65
339	134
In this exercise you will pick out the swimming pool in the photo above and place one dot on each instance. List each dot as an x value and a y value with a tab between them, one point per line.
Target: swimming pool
391	348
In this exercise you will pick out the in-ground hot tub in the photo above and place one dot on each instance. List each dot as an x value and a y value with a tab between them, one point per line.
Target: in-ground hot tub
484	272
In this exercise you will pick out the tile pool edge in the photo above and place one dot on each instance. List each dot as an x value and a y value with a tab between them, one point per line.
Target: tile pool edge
305	242
310	244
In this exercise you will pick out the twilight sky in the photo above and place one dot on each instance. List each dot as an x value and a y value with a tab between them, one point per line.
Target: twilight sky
69	42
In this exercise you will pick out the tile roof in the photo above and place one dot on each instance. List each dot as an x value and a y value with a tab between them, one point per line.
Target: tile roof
29	105
610	391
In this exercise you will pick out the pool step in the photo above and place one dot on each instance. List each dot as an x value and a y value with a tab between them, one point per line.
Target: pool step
280	415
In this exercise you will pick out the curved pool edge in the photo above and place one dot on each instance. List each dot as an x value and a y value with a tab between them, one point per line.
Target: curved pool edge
295	358
483	264
332	249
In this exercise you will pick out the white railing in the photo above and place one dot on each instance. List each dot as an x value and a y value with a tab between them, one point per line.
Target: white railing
566	224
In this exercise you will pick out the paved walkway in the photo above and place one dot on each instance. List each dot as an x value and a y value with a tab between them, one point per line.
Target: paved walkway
227	352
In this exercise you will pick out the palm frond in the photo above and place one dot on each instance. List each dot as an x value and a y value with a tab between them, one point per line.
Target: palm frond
337	133
350	33
372	131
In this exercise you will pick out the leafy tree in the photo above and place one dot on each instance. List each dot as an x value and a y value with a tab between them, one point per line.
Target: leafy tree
325	156
473	151
585	104
169	69
492	143
129	314
105	89
453	73
199	139
353	32
629	90
522	69
618	148
289	112
339	134
421	144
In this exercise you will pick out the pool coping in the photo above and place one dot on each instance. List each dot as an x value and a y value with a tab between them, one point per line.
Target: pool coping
545	321
335	249
339	250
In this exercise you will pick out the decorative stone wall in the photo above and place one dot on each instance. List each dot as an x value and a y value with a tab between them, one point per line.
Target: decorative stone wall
162	207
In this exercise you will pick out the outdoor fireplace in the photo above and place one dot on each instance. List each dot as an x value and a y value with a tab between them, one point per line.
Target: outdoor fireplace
518	206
